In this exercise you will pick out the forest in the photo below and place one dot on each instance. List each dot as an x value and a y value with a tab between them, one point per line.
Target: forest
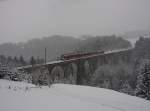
131	78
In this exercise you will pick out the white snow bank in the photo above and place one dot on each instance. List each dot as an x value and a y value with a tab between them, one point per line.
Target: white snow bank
63	97
12	85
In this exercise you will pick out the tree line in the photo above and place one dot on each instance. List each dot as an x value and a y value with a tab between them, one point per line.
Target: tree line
57	45
19	61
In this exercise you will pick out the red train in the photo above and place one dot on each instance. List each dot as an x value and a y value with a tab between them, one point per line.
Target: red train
79	55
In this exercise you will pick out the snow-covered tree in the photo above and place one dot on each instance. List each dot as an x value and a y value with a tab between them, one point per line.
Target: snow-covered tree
126	88
32	60
143	81
22	61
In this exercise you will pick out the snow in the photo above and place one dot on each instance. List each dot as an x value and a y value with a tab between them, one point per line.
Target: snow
18	96
54	62
133	40
118	50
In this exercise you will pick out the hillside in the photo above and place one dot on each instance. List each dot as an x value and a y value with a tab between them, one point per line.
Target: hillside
57	45
17	96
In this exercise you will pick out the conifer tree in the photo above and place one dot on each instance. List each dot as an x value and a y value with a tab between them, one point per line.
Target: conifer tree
143	82
22	61
32	60
126	88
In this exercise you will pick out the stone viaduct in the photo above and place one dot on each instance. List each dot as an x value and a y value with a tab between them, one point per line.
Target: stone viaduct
75	71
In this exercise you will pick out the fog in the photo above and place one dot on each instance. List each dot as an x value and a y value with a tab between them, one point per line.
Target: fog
21	20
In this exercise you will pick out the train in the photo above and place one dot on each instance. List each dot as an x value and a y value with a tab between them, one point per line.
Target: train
79	55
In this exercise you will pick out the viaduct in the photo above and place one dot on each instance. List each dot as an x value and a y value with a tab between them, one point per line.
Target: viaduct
75	71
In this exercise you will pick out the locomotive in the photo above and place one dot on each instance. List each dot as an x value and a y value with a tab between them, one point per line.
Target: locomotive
79	55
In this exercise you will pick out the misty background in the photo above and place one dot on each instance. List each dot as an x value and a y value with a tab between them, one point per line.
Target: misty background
21	20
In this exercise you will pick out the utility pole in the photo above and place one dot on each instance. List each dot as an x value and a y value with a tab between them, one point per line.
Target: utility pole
45	54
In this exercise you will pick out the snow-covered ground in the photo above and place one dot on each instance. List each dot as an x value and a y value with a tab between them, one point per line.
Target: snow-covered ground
16	96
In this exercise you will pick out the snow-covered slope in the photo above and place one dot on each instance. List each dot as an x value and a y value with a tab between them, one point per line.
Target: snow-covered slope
15	96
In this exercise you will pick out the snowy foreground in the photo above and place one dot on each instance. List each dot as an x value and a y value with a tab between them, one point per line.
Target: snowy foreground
16	96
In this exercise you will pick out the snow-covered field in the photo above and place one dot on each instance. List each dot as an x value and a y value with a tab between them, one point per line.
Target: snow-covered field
16	96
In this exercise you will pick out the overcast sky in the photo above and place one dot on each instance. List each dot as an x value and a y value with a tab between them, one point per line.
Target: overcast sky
24	19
